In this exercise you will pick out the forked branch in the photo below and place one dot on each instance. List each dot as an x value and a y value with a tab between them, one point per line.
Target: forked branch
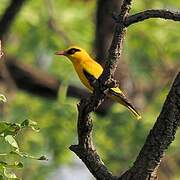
85	148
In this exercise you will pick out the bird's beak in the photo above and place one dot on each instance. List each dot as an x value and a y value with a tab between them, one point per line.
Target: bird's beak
61	53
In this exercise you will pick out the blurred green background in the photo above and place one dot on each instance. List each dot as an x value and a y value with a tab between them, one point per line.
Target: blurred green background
151	53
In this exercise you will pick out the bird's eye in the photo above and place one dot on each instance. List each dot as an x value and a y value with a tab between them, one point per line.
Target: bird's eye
72	51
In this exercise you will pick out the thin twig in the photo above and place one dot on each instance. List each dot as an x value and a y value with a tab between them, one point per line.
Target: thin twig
152	13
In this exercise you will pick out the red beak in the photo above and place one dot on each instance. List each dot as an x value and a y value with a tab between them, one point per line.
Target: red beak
61	53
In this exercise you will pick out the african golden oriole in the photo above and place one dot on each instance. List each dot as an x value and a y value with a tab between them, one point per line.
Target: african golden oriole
84	65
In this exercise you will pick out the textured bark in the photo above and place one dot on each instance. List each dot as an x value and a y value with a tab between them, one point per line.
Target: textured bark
116	45
152	13
159	138
105	26
9	16
85	148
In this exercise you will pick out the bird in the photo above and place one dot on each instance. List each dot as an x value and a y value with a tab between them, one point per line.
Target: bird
84	64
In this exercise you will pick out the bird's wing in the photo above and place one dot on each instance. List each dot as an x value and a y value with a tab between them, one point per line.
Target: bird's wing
92	68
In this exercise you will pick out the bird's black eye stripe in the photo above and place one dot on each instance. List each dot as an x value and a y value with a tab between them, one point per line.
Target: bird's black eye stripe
72	51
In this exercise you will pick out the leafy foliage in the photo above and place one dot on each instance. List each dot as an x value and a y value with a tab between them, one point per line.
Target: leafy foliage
8	131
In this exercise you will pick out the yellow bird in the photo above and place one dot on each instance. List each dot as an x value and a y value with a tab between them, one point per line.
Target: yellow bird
84	65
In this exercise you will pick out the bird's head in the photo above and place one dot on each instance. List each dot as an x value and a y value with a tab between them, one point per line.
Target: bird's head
74	53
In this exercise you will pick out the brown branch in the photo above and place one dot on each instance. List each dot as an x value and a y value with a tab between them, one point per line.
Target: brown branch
159	138
152	13
9	16
104	27
116	45
42	84
39	83
85	148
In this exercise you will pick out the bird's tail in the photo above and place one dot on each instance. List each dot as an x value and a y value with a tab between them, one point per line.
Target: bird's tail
121	98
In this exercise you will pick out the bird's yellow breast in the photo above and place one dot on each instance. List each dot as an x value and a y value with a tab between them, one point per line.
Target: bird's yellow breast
82	77
90	66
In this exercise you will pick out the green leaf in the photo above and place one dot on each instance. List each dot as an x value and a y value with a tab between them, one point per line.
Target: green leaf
18	165
12	142
9	128
2	163
3	98
1	177
9	174
15	165
3	126
29	123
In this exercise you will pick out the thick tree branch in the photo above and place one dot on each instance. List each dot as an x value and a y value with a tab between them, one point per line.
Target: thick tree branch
85	148
152	13
159	138
9	15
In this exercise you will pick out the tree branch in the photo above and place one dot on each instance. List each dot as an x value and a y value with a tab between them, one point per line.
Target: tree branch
159	138
116	45
85	148
43	84
9	15
152	13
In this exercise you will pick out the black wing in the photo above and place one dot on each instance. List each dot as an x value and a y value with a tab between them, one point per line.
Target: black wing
90	77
